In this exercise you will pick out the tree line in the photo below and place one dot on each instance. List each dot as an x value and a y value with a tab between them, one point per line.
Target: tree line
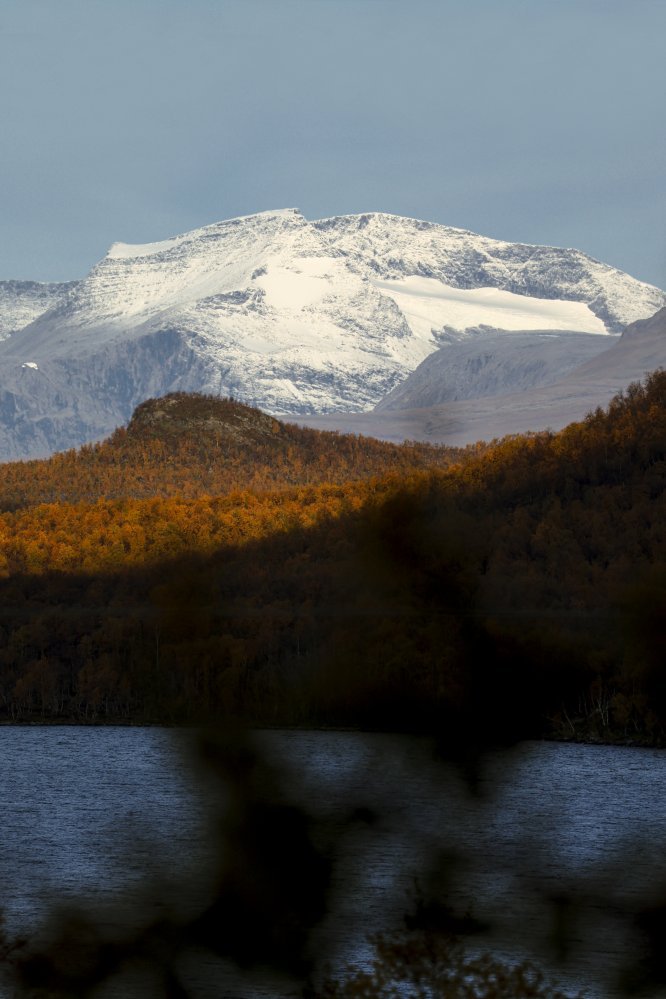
191	445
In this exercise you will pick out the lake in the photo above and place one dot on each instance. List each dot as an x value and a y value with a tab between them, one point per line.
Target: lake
554	848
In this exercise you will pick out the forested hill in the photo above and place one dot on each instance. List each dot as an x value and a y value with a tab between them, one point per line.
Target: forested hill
193	445
520	592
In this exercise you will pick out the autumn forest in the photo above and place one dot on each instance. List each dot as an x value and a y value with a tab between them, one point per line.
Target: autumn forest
210	561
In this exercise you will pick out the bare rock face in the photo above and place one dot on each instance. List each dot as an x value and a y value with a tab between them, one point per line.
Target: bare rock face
293	316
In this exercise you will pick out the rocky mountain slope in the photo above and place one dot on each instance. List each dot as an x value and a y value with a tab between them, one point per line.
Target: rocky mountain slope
294	316
21	302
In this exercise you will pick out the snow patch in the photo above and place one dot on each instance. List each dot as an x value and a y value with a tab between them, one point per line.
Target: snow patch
307	281
428	304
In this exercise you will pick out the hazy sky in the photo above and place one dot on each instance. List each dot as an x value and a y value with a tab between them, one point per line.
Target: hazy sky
532	120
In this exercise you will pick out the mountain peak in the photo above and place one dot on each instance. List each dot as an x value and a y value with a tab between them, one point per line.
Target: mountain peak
279	218
363	220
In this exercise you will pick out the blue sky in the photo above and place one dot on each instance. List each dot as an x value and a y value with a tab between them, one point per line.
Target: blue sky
531	120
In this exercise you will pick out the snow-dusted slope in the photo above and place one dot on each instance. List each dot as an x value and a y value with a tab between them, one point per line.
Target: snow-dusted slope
397	248
294	316
592	383
21	302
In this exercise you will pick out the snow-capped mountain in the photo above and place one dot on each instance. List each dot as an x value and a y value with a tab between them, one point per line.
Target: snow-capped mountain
294	316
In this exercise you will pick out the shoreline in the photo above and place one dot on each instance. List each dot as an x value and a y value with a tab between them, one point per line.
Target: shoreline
619	741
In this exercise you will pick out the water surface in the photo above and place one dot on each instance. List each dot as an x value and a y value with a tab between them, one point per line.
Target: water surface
95	811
